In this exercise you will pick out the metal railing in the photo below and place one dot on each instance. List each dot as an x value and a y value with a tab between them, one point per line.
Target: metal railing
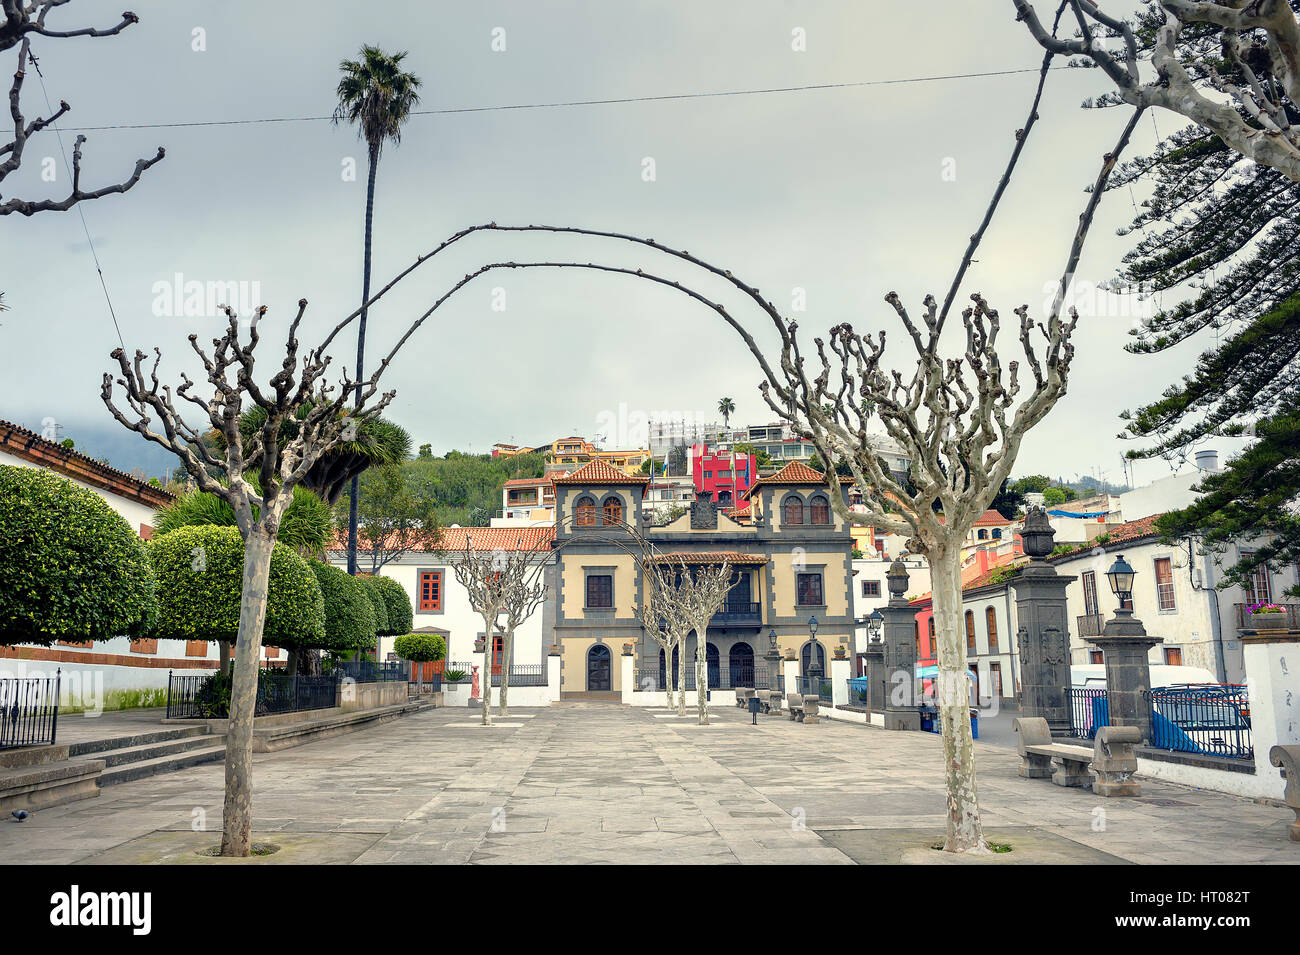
1292	616
458	666
208	697
1206	718
737	612
754	676
369	671
527	674
29	710
1089	709
1091	624
818	686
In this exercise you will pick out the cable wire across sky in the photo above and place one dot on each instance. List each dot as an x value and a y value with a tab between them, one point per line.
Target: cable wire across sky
613	101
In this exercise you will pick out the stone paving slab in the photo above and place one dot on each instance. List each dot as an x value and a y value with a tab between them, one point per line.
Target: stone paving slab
595	782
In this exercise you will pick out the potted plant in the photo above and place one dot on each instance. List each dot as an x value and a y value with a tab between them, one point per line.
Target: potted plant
789	653
629	649
1267	616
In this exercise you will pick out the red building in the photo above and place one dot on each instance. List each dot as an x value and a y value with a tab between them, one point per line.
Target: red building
712	473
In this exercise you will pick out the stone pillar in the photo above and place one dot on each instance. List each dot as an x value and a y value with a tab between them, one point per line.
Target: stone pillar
773	660
1124	644
553	675
841	670
790	670
1272	659
1043	636
899	654
877	679
627	674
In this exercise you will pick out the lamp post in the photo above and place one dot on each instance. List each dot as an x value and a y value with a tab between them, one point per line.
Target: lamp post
813	669
1125	645
773	657
875	623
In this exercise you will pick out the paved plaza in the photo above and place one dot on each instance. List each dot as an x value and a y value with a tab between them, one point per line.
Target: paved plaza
589	782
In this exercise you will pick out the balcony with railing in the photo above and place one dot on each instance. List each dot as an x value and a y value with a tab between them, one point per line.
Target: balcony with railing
1091	624
1292	616
738	613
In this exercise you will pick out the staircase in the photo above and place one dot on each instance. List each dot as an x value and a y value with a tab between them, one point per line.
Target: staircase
148	754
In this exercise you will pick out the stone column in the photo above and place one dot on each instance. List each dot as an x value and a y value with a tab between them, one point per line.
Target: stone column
553	674
627	673
1124	644
899	653
1043	635
773	659
1272	659
790	670
840	672
877	679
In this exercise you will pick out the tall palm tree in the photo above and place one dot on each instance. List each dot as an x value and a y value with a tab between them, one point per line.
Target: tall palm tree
378	96
725	407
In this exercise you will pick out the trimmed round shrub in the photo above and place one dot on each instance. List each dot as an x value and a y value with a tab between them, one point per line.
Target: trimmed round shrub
401	615
377	603
421	647
349	617
200	575
71	567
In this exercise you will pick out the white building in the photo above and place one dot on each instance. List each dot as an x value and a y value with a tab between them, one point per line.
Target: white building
871	592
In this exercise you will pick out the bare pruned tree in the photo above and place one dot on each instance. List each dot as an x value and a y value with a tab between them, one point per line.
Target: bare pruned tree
523	583
482	574
280	453
1232	66
697	592
21	22
663	619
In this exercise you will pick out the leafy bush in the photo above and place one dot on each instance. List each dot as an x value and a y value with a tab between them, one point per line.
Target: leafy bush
349	617
377	603
421	647
307	525
400	613
200	574
71	567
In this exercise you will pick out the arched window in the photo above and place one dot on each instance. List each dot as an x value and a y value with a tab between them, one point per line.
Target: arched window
821	510
612	511
997	533
970	631
991	623
982	534
792	511
585	511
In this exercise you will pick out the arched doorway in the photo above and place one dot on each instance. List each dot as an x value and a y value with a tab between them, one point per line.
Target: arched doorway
805	658
740	661
666	678
713	664
598	668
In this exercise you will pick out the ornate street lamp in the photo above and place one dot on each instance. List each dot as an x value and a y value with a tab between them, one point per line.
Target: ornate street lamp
875	626
813	669
1121	577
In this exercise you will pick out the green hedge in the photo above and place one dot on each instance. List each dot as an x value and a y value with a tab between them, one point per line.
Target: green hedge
401	616
307	525
377	603
200	575
421	647
349	617
71	567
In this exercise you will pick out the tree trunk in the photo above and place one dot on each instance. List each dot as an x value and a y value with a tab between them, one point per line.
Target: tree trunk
361	348
237	814
507	651
965	830
223	653
702	677
485	687
681	678
291	668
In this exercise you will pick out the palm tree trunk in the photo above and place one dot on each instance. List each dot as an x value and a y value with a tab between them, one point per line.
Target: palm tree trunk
361	347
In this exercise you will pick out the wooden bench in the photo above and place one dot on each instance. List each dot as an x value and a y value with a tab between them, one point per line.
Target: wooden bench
1287	758
1038	753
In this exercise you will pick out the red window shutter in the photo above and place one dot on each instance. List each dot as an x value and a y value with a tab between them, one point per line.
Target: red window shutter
431	590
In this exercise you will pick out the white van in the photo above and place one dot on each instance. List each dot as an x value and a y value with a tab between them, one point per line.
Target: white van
1093	675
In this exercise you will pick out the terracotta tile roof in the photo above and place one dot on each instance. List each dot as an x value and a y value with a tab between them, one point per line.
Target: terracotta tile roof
480	538
710	557
601	472
1119	534
996	574
991	517
794	473
530	482
30	446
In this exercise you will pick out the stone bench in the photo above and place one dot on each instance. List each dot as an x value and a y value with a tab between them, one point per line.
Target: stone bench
794	706
770	701
1114	761
1287	758
743	696
1038	753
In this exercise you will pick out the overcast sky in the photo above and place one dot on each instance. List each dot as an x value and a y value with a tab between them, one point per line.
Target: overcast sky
846	193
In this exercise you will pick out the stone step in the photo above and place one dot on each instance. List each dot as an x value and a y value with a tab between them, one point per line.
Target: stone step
87	747
154	750
161	764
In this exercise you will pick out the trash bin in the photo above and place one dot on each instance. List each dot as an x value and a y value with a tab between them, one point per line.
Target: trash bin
975	724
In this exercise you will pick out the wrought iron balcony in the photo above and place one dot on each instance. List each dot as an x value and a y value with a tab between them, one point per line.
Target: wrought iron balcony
738	614
1091	624
1292	616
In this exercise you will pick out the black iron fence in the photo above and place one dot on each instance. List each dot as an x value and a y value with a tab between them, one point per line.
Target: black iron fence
525	674
818	686
29	710
1209	719
208	697
458	672
370	671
